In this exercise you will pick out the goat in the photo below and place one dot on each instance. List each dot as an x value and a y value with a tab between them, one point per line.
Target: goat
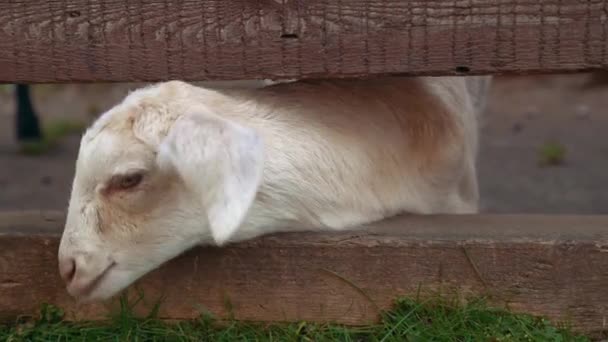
174	166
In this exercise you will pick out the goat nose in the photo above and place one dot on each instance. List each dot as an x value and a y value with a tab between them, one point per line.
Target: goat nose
67	269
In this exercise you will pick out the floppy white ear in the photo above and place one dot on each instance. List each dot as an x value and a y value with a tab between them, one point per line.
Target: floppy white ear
221	162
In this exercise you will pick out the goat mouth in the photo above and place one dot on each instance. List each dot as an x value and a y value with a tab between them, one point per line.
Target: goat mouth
86	291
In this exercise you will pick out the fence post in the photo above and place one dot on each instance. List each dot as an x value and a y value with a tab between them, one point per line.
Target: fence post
28	126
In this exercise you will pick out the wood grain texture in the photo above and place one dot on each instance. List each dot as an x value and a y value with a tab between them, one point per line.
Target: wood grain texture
549	265
196	40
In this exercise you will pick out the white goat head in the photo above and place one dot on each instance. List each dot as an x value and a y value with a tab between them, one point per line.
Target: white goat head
142	195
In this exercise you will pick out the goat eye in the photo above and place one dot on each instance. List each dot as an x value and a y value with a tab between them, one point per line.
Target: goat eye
130	181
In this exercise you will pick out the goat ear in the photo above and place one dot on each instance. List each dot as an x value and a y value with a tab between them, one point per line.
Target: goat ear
221	162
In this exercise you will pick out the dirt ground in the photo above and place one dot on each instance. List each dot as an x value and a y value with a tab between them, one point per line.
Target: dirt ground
524	115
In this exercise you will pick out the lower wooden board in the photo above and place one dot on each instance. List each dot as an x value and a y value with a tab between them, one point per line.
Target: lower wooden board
556	266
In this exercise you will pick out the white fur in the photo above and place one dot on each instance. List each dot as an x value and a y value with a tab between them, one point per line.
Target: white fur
228	165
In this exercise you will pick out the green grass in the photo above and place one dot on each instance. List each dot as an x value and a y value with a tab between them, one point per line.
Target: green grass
52	134
6	88
434	320
552	154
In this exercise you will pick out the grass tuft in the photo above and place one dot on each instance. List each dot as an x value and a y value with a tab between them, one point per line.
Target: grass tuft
552	154
6	88
410	320
52	134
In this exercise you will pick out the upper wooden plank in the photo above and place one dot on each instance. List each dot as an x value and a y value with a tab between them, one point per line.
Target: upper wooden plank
152	40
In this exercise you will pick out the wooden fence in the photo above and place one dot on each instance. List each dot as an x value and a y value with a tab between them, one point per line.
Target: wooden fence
150	40
551	265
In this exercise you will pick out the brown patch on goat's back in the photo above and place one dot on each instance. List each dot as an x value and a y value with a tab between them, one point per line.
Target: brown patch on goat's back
420	113
432	128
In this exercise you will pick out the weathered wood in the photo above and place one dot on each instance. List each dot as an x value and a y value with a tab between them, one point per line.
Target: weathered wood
549	265
115	40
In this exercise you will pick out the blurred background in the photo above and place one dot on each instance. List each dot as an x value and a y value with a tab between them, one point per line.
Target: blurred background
544	143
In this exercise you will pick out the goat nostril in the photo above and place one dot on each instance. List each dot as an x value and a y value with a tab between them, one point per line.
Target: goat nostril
67	269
